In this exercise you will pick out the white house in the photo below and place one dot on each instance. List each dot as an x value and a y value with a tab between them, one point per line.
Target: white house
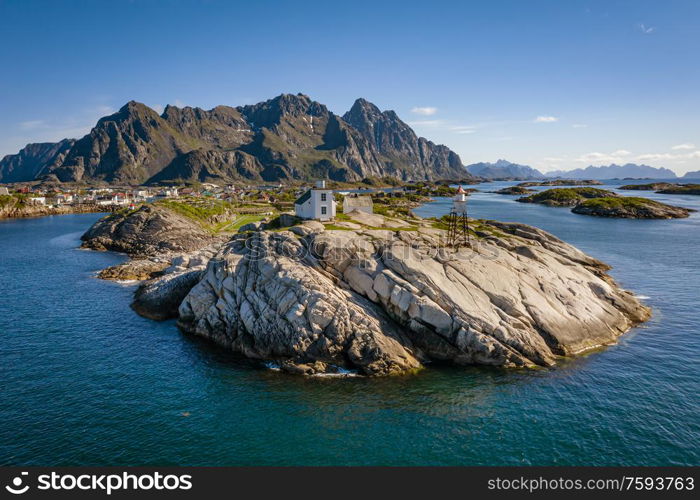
38	200
4	191
316	203
359	203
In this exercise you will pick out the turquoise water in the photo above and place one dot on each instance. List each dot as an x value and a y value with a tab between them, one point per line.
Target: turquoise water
87	381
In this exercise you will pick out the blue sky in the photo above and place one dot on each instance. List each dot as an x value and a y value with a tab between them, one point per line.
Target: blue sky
553	84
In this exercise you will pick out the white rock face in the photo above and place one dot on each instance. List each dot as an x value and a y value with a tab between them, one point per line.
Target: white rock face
385	302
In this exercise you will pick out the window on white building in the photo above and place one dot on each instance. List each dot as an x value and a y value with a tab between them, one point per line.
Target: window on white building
323	210
323	196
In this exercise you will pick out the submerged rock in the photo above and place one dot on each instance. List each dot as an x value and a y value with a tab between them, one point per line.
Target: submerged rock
386	302
137	269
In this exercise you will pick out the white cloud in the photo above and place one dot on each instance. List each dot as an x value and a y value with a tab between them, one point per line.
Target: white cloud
178	103
685	146
424	110
579	125
32	124
647	30
669	156
545	119
52	129
426	123
595	157
158	108
101	110
622	155
463	129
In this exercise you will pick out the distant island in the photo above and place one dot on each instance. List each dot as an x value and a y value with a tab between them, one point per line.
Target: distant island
605	203
665	188
629	170
504	170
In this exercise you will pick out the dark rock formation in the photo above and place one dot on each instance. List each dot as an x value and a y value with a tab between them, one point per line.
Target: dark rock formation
151	230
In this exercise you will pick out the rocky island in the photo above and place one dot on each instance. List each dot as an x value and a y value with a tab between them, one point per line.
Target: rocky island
379	295
603	203
562	182
665	188
566	197
628	207
518	190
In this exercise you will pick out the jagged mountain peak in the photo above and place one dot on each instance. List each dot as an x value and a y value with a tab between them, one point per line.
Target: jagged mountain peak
290	136
271	112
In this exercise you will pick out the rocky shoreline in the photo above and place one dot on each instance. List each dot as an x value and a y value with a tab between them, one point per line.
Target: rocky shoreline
321	299
13	211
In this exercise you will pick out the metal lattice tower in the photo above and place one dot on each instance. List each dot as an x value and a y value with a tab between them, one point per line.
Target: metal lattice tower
457	221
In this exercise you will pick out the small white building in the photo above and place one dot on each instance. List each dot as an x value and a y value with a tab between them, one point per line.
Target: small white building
316	203
4	191
356	202
38	200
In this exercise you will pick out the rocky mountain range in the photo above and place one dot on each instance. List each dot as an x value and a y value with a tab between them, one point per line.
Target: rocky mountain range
692	175
629	170
504	169
31	162
288	137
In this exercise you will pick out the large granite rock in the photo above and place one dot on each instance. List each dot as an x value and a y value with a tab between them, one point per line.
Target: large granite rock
384	302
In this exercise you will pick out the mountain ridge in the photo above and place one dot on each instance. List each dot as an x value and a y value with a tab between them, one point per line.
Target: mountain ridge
289	137
630	170
503	169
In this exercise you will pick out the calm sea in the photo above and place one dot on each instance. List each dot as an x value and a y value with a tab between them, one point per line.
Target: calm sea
84	380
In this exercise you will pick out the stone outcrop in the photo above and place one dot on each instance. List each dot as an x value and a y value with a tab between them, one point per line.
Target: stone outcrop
160	297
386	302
151	230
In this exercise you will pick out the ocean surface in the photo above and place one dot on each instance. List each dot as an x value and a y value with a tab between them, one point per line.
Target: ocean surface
85	381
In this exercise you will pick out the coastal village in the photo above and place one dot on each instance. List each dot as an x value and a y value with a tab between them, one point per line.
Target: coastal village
239	204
